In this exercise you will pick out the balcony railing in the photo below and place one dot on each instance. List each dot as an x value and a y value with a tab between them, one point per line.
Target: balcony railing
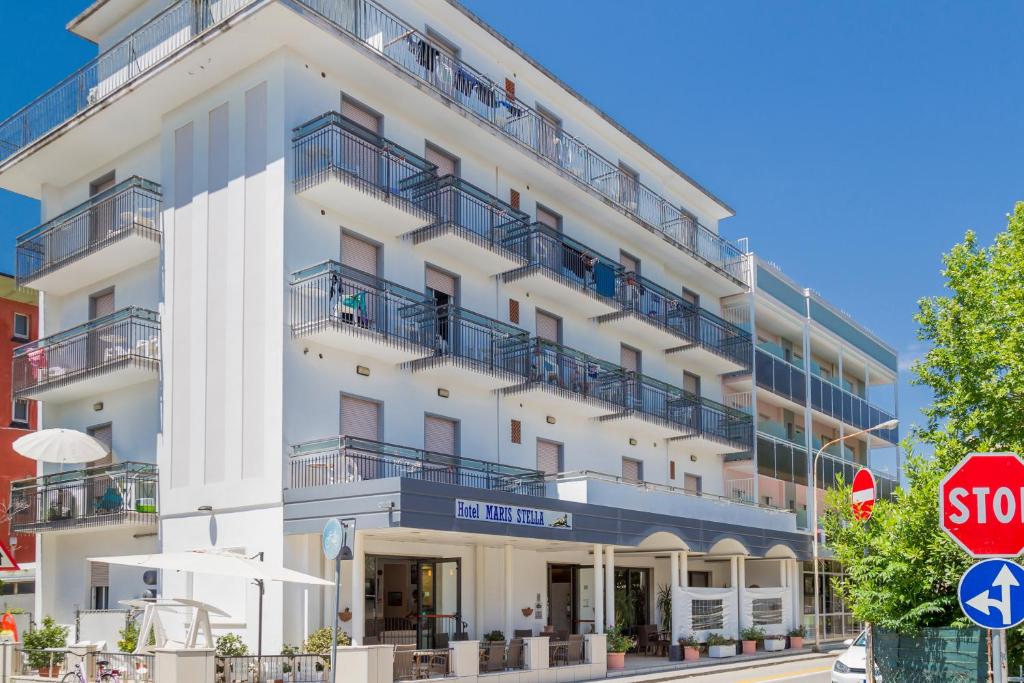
125	493
131	207
563	258
334	296
850	408
130	336
714	420
780	377
716	334
473	340
473	212
403	45
568	371
332	146
346	459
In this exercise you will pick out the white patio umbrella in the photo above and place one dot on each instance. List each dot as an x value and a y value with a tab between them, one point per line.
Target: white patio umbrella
63	446
219	563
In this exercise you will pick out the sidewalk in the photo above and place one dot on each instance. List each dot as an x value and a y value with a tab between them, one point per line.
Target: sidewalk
677	670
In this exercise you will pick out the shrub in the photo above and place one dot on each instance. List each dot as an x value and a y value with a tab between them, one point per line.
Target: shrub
752	633
689	640
130	637
495	636
718	639
50	635
618	641
798	632
319	641
231	645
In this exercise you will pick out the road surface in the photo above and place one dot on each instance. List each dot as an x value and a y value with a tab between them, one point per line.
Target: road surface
813	671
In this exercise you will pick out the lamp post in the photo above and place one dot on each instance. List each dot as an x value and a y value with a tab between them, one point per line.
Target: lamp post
889	424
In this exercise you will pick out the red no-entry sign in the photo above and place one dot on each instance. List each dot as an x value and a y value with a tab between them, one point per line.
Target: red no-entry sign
862	498
981	504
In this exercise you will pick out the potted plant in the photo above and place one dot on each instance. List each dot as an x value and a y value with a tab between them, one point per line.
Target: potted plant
749	635
319	643
527	611
50	635
494	636
288	652
691	647
774	643
345	615
720	646
618	644
796	637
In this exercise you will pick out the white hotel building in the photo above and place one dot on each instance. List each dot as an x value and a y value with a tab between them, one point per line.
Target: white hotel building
303	259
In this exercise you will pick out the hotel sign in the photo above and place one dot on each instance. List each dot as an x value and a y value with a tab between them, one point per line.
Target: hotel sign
477	511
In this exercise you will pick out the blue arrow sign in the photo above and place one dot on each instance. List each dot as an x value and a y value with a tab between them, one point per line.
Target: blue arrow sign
991	593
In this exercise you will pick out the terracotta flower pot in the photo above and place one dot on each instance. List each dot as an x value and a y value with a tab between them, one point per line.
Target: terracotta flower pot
796	642
527	611
749	647
346	615
616	660
690	653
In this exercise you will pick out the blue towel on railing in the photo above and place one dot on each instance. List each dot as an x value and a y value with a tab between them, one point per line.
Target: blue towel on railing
604	279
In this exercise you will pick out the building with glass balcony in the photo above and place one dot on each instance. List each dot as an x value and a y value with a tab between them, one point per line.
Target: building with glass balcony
306	259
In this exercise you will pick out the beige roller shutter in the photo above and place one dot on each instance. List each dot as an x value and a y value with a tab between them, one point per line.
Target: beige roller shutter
632	470
360	115
549	456
360	418
630	358
446	164
629	263
548	218
99	574
101	304
441	282
547	327
439	435
359	254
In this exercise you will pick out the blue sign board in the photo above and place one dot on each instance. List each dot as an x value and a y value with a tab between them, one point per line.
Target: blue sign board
479	511
991	594
335	540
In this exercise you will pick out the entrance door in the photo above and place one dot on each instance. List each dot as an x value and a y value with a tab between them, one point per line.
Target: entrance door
440	602
632	597
562	597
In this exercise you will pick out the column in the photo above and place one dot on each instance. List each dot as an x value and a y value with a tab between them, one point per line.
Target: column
609	585
684	569
508	591
358	590
741	591
479	575
733	581
673	585
798	592
598	588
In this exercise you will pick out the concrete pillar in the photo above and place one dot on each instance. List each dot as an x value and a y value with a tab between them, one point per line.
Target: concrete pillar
684	569
465	658
370	663
782	573
609	585
673	572
173	666
358	589
598	588
535	653
595	652
84	655
509	627
673	584
479	587
741	591
798	592
733	623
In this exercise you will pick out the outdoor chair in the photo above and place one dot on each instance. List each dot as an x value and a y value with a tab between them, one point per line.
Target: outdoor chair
523	633
514	658
405	657
575	651
495	656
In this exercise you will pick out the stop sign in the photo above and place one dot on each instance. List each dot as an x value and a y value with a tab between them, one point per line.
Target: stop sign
981	504
862	495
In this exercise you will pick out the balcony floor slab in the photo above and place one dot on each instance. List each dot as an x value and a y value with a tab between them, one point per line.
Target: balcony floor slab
638	327
363	342
454	371
94	381
640	424
384	215
696	355
535	281
74	273
455	248
558	400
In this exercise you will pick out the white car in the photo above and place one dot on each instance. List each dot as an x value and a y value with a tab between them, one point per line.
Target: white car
851	666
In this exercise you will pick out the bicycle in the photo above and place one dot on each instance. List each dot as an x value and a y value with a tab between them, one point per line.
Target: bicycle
103	675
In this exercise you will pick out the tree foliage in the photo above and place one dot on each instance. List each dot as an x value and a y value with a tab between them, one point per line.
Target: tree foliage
902	569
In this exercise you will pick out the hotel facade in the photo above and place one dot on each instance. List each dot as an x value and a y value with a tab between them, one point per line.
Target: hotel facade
304	259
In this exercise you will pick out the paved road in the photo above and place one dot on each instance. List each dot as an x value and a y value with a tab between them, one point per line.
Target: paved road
814	671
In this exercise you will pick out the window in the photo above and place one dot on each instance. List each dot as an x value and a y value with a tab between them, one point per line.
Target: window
19	411
693	483
105	435
691	383
21	327
549	327
698	579
632	470
629	186
708	615
517	431
629	263
440	435
672	469
629	358
99	585
101	304
447	164
549	457
690	296
549	218
360	418
359	253
767	611
366	118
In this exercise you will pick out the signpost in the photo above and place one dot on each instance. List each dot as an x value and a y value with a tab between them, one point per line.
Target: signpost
981	507
7	561
336	540
862	498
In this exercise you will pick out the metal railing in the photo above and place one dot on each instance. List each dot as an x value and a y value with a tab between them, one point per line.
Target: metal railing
125	493
714	420
567	260
471	211
130	336
131	207
332	146
498	656
716	334
850	408
780	377
740	489
131	668
384	33
330	295
272	668
566	652
48	663
417	664
567	370
474	340
346	459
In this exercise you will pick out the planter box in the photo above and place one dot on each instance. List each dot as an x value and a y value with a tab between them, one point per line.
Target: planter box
719	651
616	660
774	644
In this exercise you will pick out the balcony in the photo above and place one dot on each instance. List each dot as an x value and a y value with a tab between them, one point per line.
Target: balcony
713	428
782	378
471	227
559	377
346	460
647	311
651	406
842	405
715	343
560	269
111	232
123	495
347	309
103	355
777	430
473	349
360	175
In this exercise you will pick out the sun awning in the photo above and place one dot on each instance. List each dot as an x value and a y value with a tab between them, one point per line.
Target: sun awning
215	562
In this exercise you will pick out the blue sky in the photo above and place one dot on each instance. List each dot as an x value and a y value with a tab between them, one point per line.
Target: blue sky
856	141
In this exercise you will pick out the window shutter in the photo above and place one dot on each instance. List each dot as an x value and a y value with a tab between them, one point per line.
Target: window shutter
441	282
548	218
632	470
446	164
630	359
691	383
99	574
510	89
692	483
360	418
547	327
513	311
359	254
513	198
549	457
672	469
629	263
360	115
517	431
102	304
439	435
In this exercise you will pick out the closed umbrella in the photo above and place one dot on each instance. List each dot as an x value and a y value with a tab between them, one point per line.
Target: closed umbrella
62	446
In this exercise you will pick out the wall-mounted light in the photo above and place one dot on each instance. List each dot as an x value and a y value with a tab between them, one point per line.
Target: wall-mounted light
632	442
363	370
551	419
98	406
443	393
205	508
693	458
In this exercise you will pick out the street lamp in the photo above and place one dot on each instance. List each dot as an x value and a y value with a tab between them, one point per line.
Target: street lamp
889	424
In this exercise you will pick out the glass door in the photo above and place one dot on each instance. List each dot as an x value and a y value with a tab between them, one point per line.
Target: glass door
440	602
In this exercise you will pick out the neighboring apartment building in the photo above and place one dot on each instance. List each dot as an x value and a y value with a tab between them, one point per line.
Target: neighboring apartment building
369	260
